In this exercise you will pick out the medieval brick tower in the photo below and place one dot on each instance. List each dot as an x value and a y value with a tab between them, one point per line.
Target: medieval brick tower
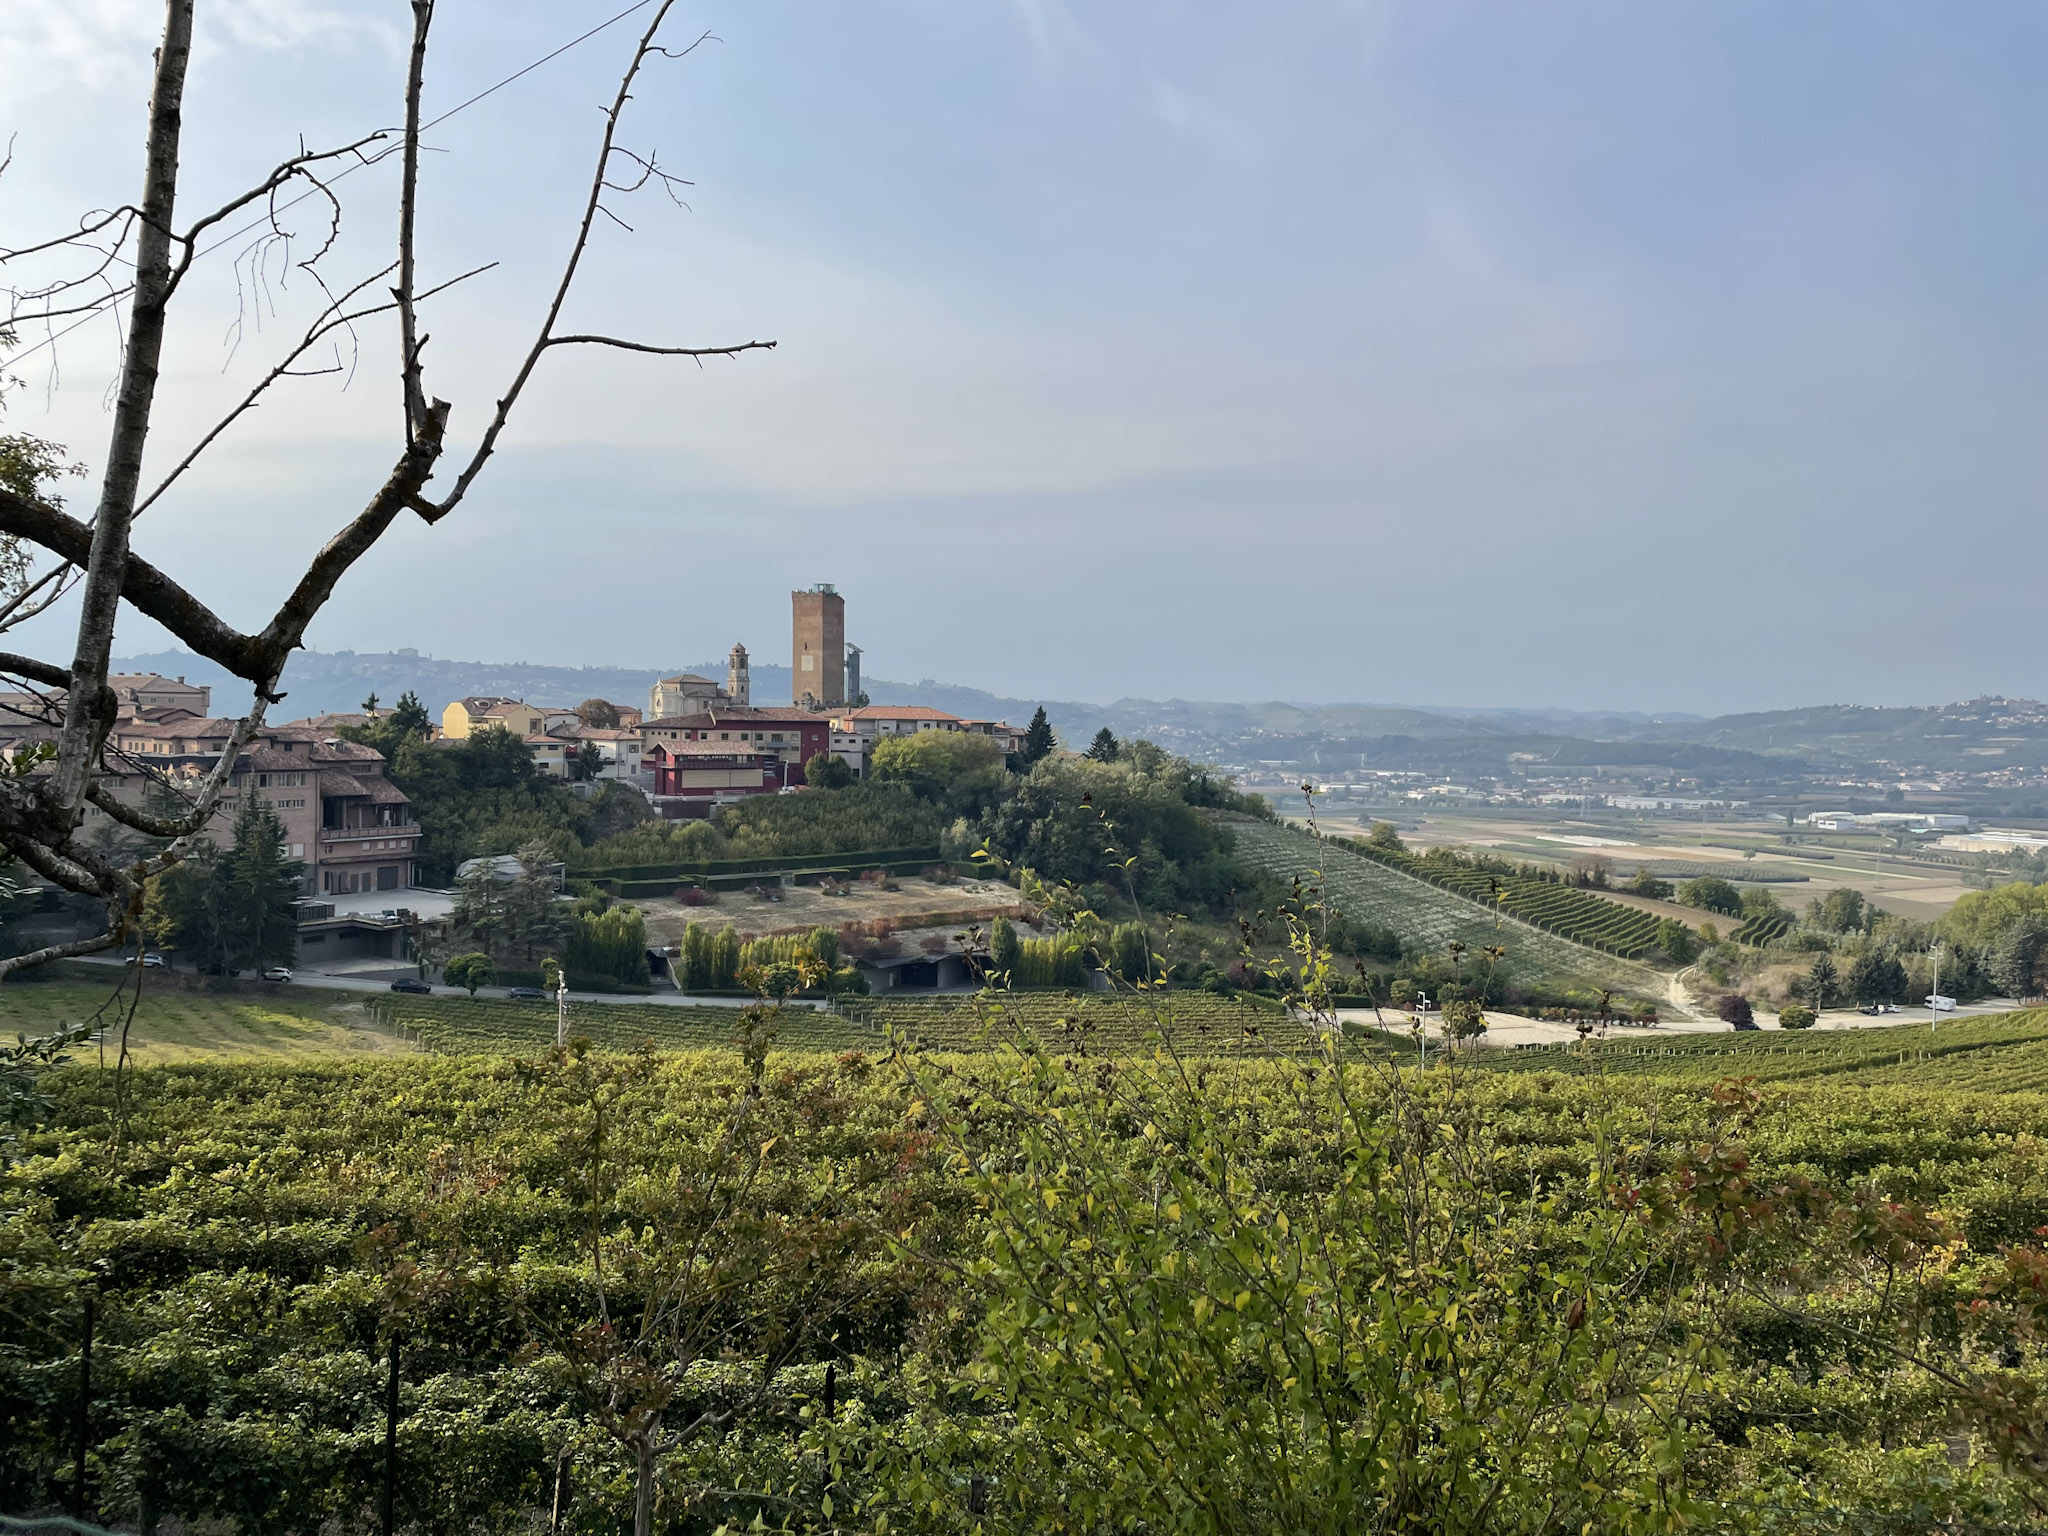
817	650
738	687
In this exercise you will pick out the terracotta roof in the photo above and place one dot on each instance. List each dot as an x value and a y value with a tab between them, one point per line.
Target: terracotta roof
897	712
335	750
271	760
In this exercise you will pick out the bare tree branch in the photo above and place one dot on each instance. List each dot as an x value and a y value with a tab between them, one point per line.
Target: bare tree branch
435	511
640	346
415	395
43	804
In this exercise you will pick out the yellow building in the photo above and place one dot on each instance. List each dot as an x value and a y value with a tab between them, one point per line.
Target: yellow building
466	716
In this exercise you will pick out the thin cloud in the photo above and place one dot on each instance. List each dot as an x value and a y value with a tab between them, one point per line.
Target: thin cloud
1194	118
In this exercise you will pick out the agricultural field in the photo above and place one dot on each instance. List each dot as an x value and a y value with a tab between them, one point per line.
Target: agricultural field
177	1026
1429	916
1763	928
2005	1053
1575	914
914	904
485	1026
1198	1022
261	1232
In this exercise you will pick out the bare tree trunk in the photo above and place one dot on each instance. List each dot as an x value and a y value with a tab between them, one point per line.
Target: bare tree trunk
643	1486
89	711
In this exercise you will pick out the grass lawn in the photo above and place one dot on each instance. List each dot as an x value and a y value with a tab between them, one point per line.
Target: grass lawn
195	1026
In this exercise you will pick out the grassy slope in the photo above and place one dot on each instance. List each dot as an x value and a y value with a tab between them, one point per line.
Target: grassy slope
196	1026
1429	916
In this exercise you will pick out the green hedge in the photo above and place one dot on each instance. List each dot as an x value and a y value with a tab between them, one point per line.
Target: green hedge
707	869
667	885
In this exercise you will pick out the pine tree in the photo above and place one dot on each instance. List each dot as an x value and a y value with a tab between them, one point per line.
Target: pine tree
1104	748
410	717
1823	983
1038	739
261	890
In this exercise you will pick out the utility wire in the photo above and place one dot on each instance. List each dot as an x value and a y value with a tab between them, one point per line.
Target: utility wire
638	5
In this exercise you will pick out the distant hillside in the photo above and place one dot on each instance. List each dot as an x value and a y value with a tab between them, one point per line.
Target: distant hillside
1976	734
324	682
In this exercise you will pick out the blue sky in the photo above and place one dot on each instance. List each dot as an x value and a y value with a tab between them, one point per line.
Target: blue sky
1664	356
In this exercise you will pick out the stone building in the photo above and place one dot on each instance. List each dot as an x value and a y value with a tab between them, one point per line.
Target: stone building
817	648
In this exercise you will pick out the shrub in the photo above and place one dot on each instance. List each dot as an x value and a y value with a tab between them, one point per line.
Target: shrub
1796	1016
695	896
470	971
1463	1020
1055	962
1734	1009
1712	894
612	943
1005	949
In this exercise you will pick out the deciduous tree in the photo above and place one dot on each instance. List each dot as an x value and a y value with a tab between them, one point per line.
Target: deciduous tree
136	258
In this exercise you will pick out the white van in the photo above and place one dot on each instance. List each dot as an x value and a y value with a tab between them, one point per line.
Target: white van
1941	1004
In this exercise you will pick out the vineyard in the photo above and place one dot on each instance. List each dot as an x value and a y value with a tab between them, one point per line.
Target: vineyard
1746	873
474	1026
1430	916
2005	1053
253	1246
1763	928
1197	1022
1565	910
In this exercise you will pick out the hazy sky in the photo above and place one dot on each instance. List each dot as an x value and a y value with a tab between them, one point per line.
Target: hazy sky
1681	354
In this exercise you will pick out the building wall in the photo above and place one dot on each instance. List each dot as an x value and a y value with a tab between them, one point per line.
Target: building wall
817	651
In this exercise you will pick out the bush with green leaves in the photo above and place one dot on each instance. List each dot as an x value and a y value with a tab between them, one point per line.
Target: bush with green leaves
1710	893
1797	1016
470	971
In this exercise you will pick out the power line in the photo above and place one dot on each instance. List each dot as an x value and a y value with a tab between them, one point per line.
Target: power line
638	5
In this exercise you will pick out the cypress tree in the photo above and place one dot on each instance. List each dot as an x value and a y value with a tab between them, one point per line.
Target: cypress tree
1004	949
725	958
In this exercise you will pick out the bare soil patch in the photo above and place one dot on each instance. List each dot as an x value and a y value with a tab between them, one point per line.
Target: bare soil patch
799	908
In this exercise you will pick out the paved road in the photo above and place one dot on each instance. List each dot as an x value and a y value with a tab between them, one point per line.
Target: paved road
318	981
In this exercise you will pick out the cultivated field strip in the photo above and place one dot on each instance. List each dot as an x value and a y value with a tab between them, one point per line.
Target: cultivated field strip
2004	1054
1430	916
1196	1022
472	1026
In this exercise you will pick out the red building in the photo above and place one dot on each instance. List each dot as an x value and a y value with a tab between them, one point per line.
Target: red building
792	736
721	754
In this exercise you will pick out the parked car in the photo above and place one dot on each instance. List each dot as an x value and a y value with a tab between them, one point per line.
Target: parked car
278	973
1941	1004
407	984
150	960
527	995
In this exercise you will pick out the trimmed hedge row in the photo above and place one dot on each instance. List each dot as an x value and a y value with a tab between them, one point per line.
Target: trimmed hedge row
711	869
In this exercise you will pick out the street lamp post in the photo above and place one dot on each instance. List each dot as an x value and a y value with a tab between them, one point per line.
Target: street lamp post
1933	1003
